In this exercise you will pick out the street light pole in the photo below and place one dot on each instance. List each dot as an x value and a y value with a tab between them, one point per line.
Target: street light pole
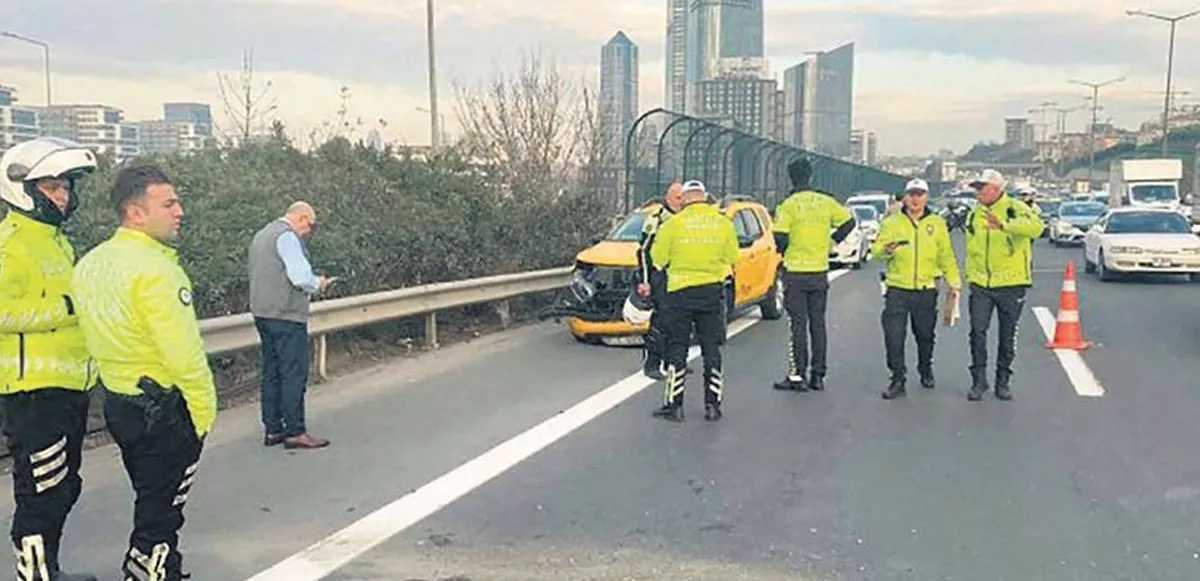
1092	128
45	50
434	140
1173	20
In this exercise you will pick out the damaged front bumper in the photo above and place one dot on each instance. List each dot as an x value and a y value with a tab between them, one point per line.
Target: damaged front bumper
592	303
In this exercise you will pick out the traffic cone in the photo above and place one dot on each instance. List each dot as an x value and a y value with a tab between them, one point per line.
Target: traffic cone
1068	332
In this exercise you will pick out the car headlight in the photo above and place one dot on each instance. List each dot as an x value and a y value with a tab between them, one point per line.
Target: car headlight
1195	250
1125	250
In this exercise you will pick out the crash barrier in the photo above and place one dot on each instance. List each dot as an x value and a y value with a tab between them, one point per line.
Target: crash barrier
236	332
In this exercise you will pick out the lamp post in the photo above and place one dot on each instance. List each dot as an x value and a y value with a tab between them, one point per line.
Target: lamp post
442	137
434	140
1173	20
45	50
1092	128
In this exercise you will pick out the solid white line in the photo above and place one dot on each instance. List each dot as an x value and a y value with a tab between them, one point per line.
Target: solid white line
1078	372
331	553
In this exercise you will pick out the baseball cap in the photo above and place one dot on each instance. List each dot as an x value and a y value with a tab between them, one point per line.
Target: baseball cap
694	186
989	176
916	184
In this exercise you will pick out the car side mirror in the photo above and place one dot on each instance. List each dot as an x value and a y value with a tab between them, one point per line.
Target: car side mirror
745	242
1187	199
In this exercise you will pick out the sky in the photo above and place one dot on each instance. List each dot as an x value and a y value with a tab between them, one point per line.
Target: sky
930	74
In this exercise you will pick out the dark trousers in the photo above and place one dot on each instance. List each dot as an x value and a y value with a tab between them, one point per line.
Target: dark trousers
806	296
1007	302
44	429
161	453
695	308
284	375
902	308
656	337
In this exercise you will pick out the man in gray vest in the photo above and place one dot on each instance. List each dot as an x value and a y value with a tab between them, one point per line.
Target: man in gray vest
281	282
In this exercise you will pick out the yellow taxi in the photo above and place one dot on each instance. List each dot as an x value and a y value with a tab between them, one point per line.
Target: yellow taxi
606	272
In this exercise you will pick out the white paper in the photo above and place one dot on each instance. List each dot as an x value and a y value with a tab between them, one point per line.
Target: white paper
950	317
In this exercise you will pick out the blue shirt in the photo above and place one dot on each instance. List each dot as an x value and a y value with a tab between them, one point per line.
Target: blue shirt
299	271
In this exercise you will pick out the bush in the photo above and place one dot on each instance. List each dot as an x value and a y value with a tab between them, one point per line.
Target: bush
384	221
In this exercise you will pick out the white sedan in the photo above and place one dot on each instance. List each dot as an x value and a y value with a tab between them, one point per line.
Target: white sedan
1144	240
854	251
868	220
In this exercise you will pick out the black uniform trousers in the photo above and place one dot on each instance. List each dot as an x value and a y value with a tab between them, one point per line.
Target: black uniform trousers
45	430
161	452
695	308
806	297
1007	302
902	308
656	337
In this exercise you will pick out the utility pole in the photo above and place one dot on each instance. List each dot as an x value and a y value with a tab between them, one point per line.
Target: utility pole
434	140
45	51
1173	20
1092	127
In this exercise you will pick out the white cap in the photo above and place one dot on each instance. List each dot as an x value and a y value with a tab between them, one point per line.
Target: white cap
989	176
694	186
916	184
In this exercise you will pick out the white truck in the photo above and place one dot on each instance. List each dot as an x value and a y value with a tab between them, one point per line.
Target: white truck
1152	183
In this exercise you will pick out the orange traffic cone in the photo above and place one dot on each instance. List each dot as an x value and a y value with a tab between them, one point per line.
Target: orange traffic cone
1068	333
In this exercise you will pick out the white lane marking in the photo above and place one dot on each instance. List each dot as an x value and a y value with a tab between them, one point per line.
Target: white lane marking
328	555
1078	372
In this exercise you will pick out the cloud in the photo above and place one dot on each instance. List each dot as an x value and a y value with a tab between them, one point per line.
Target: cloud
929	73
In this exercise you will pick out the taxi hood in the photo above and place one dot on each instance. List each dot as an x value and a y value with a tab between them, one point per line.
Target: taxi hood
610	253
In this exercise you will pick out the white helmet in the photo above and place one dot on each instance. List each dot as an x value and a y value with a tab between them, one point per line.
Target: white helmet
637	309
45	157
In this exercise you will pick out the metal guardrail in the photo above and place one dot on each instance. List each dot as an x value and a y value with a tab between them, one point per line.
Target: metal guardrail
235	332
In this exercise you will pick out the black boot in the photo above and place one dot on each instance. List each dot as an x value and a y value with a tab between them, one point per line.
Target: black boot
787	384
895	389
1003	392
63	576
926	378
712	411
816	383
670	412
979	387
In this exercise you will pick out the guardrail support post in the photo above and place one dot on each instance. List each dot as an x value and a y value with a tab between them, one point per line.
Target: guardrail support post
504	310
323	357
431	334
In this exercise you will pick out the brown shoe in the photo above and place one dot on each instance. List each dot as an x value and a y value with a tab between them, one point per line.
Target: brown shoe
305	442
273	439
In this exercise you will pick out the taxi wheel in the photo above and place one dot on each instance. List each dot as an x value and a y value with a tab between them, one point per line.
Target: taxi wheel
772	306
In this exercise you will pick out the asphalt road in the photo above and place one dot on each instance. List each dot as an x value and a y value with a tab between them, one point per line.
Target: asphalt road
833	485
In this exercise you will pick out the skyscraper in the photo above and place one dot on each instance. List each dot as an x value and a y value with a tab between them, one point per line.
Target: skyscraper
719	29
820	102
618	93
199	114
676	54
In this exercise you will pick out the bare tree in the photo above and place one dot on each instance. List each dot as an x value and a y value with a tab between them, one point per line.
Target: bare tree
537	130
249	108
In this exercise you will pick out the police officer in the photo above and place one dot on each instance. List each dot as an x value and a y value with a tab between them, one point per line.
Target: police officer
135	305
916	246
802	234
654	283
698	248
1000	234
44	371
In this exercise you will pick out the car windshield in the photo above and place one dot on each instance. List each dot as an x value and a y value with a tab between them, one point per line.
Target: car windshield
880	204
1049	207
866	213
1148	223
1154	193
630	230
1081	209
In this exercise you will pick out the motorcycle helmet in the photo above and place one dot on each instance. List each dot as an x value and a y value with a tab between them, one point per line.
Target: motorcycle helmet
637	309
45	157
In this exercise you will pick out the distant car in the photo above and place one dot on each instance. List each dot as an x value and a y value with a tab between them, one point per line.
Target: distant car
1146	240
1071	222
878	200
854	251
868	220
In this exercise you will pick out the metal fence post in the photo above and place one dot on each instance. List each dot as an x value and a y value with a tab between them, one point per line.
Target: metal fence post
323	357
431	330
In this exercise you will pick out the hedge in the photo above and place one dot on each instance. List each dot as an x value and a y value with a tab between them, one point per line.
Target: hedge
385	221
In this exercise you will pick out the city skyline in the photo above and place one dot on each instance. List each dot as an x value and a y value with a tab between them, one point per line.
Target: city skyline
928	75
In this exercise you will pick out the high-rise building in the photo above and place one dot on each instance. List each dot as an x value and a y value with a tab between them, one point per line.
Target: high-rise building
721	29
99	127
167	137
676	55
820	102
17	123
743	92
618	94
862	146
199	114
